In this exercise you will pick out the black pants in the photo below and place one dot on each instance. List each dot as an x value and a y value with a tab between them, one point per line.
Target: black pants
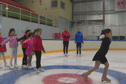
24	60
78	46
38	59
65	46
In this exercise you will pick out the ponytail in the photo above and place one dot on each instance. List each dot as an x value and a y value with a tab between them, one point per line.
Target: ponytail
27	31
36	30
103	33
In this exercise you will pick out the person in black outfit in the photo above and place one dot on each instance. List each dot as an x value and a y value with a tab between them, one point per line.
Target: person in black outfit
24	47
100	58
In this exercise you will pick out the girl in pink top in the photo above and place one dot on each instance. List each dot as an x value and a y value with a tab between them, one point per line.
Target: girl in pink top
13	44
29	41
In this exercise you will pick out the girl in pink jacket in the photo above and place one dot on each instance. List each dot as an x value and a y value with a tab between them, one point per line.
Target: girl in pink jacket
13	44
29	53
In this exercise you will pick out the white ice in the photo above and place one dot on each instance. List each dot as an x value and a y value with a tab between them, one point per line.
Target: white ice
117	61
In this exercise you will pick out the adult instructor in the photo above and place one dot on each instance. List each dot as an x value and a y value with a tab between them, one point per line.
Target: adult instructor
65	36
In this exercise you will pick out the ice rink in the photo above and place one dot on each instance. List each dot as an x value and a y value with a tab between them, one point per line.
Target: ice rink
60	69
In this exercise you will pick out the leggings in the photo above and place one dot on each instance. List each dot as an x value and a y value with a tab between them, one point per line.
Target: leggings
4	59
13	52
24	60
29	59
78	46
65	46
38	59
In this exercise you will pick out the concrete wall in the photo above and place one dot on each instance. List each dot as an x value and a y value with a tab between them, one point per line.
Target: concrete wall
21	26
67	12
50	12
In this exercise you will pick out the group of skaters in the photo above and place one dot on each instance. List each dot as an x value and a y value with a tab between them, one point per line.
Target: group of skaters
32	44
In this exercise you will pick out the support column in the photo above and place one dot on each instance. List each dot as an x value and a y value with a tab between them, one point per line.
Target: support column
46	19
7	11
38	18
20	13
30	17
103	14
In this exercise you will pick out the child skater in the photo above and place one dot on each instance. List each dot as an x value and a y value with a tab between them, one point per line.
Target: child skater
78	40
37	48
24	47
29	41
100	58
2	50
13	44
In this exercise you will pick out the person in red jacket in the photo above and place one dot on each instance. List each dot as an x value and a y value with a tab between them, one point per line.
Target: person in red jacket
37	47
24	47
65	36
2	50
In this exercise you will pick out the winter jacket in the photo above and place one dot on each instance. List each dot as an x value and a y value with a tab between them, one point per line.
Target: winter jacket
65	36
12	41
37	44
25	37
2	48
79	37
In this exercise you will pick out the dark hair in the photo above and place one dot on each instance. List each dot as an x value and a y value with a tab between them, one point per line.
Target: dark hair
27	31
105	31
36	30
31	34
12	29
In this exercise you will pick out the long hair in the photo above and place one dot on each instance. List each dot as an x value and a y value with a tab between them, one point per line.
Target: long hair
31	34
36	30
105	31
12	29
27	31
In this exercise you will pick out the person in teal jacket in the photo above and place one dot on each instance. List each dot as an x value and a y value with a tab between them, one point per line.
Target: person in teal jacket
78	40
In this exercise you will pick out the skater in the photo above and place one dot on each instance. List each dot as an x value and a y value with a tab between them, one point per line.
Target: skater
78	41
65	36
2	50
13	44
100	58
37	48
24	47
28	52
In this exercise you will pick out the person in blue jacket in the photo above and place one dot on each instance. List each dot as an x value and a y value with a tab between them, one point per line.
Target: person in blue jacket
78	40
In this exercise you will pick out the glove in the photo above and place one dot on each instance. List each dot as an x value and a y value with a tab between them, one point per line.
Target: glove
65	36
44	51
33	52
0	45
102	36
17	39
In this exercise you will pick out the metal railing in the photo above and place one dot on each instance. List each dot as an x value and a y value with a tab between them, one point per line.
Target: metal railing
23	13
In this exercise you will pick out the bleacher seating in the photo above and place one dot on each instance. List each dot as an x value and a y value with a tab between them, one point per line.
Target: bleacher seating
26	14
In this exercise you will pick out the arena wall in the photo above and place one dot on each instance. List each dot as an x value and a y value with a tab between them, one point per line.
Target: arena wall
52	46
